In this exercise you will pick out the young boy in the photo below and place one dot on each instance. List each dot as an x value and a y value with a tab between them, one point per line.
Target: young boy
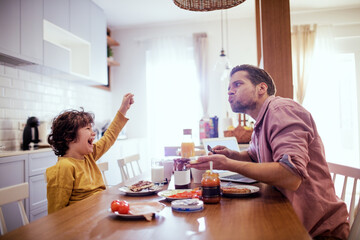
76	176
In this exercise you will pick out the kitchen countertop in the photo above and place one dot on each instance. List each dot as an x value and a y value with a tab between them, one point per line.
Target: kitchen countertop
21	152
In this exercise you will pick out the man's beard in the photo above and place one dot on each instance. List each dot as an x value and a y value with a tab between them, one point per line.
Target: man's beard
242	108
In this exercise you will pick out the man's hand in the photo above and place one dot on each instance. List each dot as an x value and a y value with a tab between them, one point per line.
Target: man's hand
223	150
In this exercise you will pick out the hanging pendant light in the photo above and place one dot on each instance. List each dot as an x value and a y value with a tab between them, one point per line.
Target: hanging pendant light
223	65
206	5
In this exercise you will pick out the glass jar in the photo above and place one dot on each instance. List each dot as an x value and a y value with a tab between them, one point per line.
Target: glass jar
210	184
181	173
187	144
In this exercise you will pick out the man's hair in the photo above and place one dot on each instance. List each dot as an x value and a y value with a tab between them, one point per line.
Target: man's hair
64	129
256	76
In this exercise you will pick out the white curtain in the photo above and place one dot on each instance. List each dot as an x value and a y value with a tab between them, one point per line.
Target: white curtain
201	57
302	43
173	101
331	99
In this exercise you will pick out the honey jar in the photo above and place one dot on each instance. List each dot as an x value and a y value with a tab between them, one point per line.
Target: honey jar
210	184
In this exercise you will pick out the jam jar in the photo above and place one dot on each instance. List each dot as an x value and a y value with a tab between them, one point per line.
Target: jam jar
210	184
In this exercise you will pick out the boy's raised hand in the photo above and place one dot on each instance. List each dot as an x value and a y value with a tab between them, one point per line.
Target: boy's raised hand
128	99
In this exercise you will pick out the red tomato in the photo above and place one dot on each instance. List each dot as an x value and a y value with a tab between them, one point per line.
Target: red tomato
115	205
121	207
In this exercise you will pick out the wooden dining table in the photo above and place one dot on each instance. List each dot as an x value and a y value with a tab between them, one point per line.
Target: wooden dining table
266	214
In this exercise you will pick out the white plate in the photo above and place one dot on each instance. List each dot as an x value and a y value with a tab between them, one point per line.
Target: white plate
143	192
130	216
253	190
141	210
169	192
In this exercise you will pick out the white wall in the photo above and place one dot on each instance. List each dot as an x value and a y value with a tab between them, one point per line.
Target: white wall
24	94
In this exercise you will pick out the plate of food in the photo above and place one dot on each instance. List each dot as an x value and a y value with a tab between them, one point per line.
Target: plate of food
176	194
239	190
135	210
141	188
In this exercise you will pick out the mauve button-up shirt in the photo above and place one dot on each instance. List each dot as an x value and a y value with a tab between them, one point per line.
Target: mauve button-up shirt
286	133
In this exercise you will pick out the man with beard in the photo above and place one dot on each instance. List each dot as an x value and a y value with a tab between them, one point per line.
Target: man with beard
285	151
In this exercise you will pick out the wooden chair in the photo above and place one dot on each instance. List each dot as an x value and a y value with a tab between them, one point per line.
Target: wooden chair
104	166
348	172
355	228
16	193
129	161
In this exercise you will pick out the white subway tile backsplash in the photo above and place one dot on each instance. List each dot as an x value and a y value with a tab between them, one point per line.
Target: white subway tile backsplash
17	84
24	94
18	104
5	81
5	103
34	77
11	93
30	96
8	124
51	99
12	114
24	75
11	72
50	90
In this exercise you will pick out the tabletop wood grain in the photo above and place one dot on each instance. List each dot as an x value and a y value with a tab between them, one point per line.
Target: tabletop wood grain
265	215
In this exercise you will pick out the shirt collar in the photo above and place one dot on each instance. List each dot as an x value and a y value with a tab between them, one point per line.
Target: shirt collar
263	110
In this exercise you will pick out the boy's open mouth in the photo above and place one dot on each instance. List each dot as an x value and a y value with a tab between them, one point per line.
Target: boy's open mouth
90	141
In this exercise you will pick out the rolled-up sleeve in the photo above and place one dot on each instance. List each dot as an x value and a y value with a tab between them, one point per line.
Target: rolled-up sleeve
290	135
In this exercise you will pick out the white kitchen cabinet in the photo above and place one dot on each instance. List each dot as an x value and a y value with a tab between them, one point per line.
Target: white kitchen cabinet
67	37
13	170
58	12
56	57
80	18
21	29
10	27
98	68
31	30
38	162
28	167
72	16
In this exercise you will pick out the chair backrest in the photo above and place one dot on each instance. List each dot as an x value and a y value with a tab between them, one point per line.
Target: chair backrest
347	172
129	161
171	151
16	193
104	166
355	228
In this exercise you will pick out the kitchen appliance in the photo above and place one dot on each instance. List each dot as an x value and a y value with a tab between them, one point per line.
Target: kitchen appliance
43	132
31	133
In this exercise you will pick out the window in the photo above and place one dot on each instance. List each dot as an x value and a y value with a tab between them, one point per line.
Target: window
173	94
331	98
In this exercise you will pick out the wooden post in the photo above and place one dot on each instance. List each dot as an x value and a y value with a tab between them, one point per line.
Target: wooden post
274	43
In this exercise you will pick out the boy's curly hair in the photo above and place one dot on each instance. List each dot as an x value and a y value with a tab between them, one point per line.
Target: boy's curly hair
64	129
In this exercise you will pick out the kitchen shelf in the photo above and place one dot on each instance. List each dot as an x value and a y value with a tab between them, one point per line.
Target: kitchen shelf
112	42
111	62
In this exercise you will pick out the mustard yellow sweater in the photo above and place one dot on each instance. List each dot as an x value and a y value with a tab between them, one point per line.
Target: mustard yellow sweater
71	180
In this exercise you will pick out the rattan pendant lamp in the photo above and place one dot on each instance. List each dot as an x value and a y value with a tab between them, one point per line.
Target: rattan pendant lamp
207	5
